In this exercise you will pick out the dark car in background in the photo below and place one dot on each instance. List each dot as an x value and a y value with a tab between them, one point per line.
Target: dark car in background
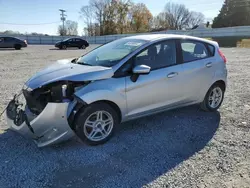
72	42
12	42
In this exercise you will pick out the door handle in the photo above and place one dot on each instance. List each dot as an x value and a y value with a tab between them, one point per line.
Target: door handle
208	65
172	74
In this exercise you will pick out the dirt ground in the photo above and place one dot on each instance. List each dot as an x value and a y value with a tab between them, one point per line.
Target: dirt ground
181	148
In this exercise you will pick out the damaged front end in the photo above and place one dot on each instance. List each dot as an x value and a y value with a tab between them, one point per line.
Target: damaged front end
42	114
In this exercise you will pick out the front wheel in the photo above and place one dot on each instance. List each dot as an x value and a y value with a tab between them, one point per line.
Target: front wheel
64	47
96	123
213	98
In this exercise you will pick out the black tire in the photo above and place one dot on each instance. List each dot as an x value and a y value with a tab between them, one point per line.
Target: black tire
82	47
17	46
64	47
85	113
205	104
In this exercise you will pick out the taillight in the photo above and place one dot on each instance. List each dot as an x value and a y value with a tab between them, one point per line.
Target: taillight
223	56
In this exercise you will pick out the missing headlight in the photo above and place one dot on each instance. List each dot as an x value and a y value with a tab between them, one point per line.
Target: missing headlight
55	92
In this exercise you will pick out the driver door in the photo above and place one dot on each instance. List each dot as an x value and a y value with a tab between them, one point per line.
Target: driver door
162	86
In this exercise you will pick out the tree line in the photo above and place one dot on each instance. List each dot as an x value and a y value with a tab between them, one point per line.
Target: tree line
105	17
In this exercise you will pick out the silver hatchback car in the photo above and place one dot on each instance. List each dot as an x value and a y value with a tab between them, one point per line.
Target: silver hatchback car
125	79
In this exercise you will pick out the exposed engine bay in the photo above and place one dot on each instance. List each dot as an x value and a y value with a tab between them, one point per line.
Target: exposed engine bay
58	92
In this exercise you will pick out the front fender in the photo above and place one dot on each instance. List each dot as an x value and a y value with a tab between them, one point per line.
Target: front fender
102	91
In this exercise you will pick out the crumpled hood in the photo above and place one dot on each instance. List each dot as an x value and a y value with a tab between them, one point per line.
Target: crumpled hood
65	70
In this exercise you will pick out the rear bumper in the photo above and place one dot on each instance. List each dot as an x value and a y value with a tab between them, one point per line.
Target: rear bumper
49	127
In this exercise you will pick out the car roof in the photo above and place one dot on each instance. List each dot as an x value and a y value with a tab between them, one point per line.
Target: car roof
10	37
154	37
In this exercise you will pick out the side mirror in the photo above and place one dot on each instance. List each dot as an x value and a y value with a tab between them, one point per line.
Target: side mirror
74	60
141	69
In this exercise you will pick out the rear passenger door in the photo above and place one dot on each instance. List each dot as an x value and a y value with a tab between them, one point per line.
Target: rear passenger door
79	43
197	68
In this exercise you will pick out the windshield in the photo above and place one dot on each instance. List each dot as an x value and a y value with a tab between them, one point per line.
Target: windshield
66	39
110	54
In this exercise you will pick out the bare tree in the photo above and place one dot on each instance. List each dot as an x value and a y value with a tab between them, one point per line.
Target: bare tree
98	10
196	18
61	31
69	29
160	22
178	16
87	15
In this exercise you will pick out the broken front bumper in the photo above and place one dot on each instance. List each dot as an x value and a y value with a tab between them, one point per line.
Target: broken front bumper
47	128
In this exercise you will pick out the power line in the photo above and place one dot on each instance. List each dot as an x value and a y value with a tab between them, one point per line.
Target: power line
5	23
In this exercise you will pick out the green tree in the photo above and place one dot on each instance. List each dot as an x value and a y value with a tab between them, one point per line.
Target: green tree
233	13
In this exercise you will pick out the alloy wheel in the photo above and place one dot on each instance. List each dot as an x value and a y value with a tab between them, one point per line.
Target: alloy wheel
215	97
98	125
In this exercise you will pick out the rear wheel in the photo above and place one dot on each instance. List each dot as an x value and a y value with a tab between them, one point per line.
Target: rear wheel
96	123
213	98
82	47
17	46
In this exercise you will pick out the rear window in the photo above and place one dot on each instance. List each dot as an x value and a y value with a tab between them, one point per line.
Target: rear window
211	49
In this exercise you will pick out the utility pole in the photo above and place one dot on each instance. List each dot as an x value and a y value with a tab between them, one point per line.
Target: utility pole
63	18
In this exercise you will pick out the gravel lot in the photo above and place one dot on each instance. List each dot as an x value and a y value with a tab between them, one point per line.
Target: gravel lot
179	148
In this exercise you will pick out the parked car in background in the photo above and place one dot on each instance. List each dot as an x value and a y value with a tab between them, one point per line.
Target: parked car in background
72	42
123	80
12	42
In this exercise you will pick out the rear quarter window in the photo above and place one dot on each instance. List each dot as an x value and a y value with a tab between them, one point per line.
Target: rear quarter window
211	49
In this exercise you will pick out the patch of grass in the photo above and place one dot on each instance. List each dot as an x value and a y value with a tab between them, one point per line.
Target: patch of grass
244	43
232	41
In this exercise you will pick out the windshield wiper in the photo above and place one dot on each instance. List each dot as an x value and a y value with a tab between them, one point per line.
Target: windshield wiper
74	60
82	63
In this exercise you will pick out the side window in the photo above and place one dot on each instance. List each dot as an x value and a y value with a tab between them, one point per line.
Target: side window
158	55
193	50
8	39
78	40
